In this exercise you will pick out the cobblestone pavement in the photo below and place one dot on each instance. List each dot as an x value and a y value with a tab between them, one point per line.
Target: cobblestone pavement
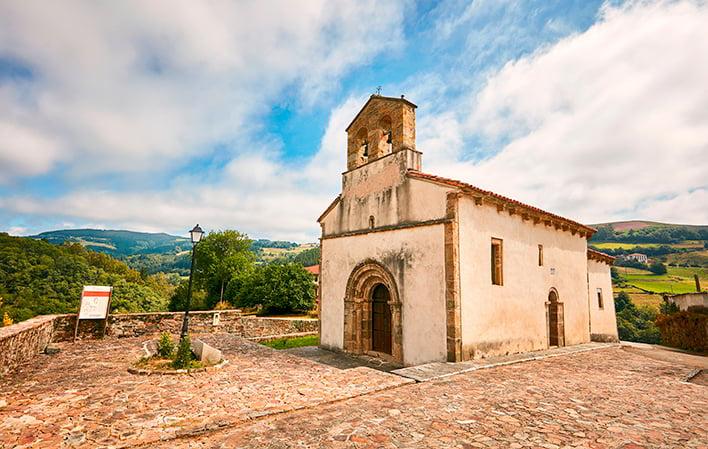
606	398
342	360
84	396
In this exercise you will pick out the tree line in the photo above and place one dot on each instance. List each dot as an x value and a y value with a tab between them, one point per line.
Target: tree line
37	278
650	234
226	275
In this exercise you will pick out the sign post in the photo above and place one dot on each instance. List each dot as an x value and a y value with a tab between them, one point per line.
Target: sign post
95	305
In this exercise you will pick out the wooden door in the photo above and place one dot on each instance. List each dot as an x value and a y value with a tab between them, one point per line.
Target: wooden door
380	320
553	324
556	325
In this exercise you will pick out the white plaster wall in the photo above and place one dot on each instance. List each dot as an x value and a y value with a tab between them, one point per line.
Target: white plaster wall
512	318
381	189
602	321
415	257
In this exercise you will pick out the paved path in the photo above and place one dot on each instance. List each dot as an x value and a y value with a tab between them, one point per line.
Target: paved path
84	396
438	370
341	360
600	399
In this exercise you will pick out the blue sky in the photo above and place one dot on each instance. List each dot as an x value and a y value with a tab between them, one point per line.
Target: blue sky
122	115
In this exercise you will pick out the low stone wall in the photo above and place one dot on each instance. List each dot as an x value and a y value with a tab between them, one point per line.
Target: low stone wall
21	342
200	322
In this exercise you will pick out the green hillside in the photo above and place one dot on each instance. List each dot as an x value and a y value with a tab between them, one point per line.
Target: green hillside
152	253
119	243
37	277
673	244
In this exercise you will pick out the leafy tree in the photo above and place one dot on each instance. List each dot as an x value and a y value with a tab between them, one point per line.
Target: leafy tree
178	300
37	277
657	268
221	256
622	302
278	288
635	323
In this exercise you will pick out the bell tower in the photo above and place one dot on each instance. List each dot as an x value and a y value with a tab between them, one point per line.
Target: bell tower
385	125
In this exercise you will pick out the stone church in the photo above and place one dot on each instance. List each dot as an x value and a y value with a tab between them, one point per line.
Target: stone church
419	268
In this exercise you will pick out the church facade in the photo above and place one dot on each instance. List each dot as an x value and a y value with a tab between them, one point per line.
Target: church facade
418	268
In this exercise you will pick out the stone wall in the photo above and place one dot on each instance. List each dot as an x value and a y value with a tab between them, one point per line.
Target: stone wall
23	341
210	321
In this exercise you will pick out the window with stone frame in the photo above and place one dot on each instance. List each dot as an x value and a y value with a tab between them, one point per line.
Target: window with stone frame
497	262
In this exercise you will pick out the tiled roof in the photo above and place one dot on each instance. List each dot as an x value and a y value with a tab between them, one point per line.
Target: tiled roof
314	269
601	257
469	188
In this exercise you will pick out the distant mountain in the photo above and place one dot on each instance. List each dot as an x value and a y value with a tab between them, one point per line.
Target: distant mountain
641	224
151	252
119	243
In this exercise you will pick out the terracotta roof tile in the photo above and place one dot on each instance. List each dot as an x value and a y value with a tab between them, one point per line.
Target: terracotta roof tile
474	189
314	269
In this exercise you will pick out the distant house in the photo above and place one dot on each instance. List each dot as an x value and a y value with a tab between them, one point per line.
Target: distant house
642	258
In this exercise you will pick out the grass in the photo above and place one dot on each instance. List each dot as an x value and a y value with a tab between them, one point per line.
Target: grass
294	342
619	245
269	254
677	280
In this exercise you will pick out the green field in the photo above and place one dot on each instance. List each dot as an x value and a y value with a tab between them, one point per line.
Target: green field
269	254
677	280
619	245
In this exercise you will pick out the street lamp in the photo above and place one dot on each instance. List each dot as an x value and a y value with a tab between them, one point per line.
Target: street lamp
196	235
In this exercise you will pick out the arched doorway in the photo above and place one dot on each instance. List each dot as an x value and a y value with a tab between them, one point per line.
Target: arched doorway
372	312
380	320
554	317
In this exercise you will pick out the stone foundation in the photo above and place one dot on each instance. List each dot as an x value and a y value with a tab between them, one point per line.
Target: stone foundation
21	342
604	338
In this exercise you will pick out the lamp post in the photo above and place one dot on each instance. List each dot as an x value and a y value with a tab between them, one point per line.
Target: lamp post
196	235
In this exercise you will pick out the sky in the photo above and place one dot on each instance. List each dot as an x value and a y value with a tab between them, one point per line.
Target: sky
155	116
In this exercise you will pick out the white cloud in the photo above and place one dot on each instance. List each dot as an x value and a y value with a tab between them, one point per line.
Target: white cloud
602	125
135	86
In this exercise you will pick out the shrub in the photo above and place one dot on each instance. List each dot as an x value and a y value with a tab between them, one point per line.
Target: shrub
183	358
685	330
165	346
6	320
223	305
658	268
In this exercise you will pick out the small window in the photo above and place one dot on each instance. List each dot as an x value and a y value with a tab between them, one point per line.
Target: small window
600	304
497	262
365	148
371	222
540	255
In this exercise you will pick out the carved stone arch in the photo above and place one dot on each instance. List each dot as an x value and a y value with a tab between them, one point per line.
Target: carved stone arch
358	309
555	319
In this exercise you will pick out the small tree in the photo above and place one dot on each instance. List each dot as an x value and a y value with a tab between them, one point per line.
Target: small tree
6	320
165	346
657	268
183	358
